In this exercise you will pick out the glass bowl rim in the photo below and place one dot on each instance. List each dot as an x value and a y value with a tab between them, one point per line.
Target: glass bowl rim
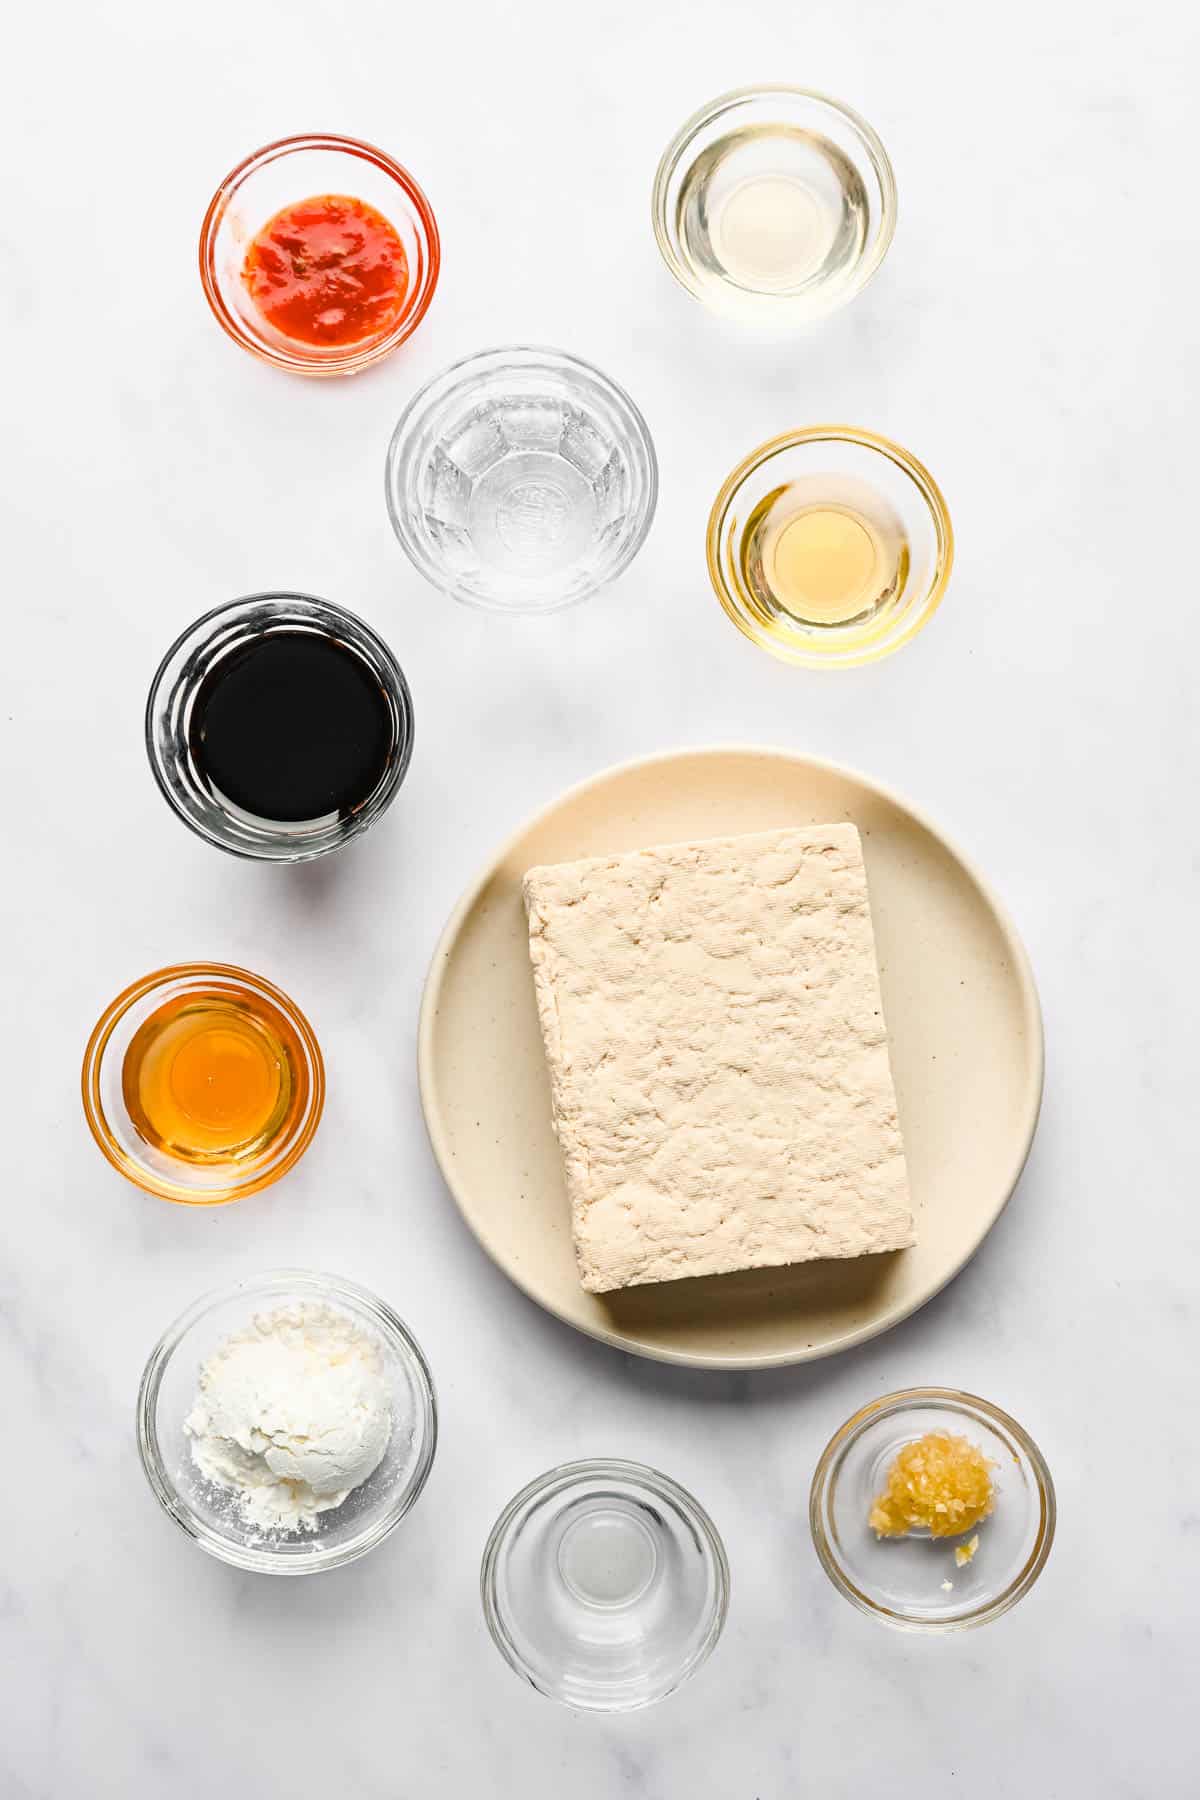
443	384
874	441
97	1118
562	1477
376	804
880	161
956	1399
353	359
328	1287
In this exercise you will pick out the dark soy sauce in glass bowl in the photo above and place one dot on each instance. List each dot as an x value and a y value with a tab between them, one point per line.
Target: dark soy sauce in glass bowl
279	726
292	726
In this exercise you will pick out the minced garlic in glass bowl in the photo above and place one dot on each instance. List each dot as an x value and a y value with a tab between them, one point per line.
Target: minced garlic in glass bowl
876	1520
941	1484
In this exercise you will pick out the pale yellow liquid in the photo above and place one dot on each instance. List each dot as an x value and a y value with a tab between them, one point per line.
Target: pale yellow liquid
772	209
822	553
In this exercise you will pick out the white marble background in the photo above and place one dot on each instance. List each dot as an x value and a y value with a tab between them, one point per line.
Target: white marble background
1032	336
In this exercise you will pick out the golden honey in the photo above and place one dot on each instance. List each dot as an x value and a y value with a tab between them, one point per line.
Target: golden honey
941	1484
210	1077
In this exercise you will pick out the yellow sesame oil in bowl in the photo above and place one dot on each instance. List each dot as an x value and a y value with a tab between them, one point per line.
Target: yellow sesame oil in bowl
829	546
823	552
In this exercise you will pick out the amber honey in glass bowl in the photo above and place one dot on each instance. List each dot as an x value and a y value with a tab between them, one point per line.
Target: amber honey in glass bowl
202	1083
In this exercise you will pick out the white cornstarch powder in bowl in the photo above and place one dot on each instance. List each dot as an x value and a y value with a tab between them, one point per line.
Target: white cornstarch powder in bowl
288	1422
292	1414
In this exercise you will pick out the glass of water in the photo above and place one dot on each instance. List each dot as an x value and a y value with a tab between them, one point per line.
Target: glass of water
521	480
604	1585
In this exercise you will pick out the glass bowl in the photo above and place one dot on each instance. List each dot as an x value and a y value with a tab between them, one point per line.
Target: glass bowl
521	479
774	204
282	174
170	1177
218	634
914	1582
604	1585
202	1509
893	546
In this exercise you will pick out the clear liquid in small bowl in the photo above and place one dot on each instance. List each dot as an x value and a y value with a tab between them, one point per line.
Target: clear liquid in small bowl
526	488
773	209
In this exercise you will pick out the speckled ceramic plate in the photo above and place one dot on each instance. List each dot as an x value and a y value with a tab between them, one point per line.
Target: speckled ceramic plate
963	1021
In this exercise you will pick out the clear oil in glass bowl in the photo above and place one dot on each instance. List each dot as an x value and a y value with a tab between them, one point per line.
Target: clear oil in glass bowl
774	204
773	209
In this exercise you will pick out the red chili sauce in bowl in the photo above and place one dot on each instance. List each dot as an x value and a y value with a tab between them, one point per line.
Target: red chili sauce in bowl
328	271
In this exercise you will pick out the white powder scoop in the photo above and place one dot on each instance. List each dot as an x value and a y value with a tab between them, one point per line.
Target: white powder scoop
292	1414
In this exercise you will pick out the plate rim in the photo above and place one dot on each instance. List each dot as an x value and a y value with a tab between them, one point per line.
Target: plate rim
438	1137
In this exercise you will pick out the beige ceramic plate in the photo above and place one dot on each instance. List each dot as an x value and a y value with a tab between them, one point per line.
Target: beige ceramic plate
964	1027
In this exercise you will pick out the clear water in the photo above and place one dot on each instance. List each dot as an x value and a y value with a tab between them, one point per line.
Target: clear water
526	489
607	1557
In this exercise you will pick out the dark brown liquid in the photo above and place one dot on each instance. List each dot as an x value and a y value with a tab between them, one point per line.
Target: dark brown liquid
292	726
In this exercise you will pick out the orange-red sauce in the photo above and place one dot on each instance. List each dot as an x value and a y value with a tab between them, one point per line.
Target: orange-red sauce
328	271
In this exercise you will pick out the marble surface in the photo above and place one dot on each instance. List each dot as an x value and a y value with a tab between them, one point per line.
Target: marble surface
1032	338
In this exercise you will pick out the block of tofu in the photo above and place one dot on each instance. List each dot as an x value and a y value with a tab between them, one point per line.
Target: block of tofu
718	1056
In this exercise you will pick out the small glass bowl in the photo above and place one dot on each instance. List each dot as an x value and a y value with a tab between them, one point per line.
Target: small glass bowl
204	1511
168	726
282	174
604	1585
521	479
914	1582
845	468
774	204
193	1184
